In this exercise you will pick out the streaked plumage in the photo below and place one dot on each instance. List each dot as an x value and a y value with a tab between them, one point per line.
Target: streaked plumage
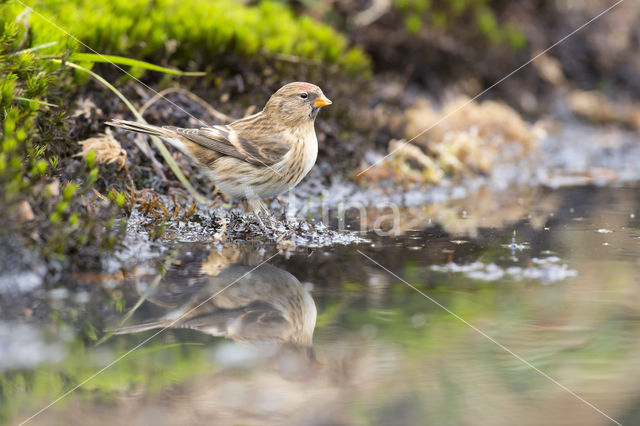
264	306
257	157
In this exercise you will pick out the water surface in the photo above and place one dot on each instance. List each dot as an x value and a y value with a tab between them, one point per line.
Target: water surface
373	333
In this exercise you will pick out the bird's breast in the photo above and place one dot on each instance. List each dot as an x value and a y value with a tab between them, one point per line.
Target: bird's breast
310	153
302	156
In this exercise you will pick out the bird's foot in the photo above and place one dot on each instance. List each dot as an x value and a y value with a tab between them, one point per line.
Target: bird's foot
262	225
269	218
262	214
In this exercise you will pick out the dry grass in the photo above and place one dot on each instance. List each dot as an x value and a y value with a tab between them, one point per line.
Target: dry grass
596	107
107	150
473	136
151	204
463	138
590	105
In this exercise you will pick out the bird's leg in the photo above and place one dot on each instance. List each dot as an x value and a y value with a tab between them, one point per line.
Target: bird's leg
254	207
267	213
256	213
264	209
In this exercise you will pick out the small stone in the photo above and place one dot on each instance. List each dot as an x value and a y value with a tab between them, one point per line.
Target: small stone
23	212
53	189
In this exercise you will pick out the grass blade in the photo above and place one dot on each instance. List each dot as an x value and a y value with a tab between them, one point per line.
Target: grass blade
121	60
20	98
33	49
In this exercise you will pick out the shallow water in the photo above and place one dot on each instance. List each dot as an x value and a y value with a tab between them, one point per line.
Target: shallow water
442	325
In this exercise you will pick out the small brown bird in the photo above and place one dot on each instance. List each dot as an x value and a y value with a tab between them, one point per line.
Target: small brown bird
263	306
265	303
256	157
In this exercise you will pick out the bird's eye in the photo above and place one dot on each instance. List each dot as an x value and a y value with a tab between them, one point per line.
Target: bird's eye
304	95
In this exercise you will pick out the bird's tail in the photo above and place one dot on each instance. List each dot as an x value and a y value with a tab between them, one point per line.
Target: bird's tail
139	328
138	127
166	134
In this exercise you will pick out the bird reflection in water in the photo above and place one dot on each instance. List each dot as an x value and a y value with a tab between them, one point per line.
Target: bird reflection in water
266	307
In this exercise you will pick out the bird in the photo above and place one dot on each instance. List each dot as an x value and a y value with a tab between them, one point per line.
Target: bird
262	306
257	157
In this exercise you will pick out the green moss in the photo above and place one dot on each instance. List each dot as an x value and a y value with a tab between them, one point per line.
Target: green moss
448	14
28	86
413	23
21	164
204	31
200	34
154	367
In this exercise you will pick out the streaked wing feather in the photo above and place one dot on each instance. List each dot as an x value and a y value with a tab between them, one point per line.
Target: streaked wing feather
257	320
266	150
210	140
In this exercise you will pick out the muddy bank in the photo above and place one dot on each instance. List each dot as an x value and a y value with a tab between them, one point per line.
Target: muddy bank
533	139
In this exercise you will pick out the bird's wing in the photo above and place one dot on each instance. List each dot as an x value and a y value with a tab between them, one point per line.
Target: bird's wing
265	150
256	321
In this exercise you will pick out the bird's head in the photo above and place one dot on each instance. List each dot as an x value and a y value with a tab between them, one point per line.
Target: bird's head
296	103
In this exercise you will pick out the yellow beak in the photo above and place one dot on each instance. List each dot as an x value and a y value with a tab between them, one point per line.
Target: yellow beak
322	101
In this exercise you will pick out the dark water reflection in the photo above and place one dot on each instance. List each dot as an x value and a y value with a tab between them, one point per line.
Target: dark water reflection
328	337
247	301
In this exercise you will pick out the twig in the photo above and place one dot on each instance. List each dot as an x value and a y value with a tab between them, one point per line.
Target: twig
129	178
212	111
377	10
223	228
143	146
25	22
99	195
291	58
